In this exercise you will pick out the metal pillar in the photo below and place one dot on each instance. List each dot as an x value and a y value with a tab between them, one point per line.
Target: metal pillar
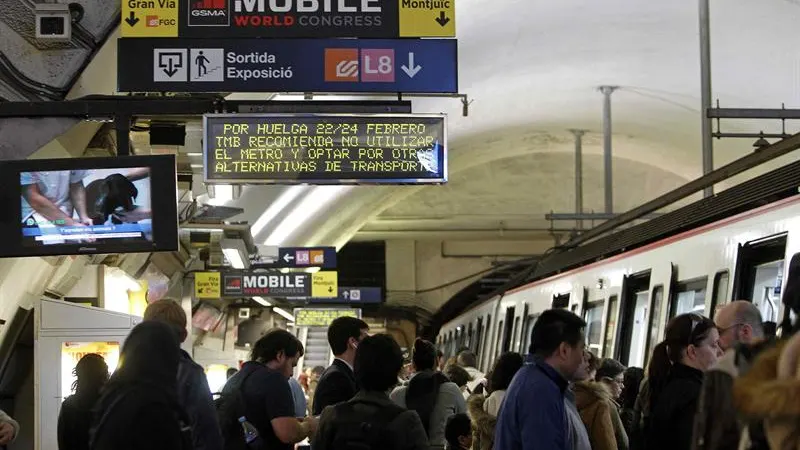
122	123
705	92
609	189
578	174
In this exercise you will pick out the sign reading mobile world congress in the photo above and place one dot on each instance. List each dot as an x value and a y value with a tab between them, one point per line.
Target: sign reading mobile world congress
288	65
317	18
325	148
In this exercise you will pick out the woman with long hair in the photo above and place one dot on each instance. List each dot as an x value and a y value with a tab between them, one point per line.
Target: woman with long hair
482	409
430	394
675	374
75	417
138	408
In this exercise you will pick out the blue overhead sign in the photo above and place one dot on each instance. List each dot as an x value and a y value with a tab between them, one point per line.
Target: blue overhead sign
288	65
324	257
353	295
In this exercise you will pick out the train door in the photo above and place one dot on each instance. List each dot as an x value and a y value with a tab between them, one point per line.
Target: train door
759	274
632	332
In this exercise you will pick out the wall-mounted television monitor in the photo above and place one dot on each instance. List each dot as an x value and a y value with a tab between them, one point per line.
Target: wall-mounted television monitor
88	206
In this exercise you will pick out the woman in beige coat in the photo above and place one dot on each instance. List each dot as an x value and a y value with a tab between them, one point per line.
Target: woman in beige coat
600	414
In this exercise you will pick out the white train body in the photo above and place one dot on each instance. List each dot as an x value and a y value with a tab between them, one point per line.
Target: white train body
692	271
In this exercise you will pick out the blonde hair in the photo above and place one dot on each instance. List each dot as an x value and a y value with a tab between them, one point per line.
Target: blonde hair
166	310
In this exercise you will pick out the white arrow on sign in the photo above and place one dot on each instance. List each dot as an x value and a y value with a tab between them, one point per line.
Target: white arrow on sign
411	69
288	258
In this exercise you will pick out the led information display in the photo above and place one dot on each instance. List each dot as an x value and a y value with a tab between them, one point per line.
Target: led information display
325	148
313	317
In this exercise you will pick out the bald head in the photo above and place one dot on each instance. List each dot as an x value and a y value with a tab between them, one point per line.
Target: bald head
739	321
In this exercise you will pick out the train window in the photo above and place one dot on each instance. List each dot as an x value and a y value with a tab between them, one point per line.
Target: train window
517	334
655	321
561	300
611	326
759	270
594	327
508	331
499	348
719	296
689	297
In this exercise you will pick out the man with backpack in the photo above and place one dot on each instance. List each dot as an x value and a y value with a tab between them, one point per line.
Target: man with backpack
259	397
370	420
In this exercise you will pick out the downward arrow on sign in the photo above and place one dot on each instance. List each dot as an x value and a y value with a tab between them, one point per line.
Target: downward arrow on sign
411	69
132	19
442	19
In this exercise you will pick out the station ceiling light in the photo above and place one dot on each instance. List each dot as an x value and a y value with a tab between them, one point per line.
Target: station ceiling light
286	314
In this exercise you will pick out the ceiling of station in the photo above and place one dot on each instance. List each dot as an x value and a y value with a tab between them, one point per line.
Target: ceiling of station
532	70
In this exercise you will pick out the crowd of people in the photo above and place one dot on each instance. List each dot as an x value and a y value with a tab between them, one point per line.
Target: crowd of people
698	383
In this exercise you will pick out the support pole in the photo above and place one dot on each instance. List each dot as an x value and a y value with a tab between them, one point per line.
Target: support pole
609	178
705	92
578	174
122	123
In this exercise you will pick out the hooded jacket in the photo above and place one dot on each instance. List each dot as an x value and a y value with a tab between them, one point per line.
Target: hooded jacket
138	409
770	391
483	423
600	414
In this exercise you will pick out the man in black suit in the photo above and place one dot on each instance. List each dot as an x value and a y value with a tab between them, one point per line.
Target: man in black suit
338	382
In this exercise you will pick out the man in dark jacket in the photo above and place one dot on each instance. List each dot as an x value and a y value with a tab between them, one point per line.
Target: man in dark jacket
338	382
535	414
741	334
193	391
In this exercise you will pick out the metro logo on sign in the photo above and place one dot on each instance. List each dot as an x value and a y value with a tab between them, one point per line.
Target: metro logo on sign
377	65
208	13
152	21
341	64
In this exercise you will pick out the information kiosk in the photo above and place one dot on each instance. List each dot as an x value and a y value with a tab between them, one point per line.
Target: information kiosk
65	332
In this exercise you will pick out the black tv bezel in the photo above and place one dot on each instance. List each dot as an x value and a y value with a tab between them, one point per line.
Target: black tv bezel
163	179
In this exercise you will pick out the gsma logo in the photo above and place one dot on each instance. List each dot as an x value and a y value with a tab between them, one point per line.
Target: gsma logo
209	13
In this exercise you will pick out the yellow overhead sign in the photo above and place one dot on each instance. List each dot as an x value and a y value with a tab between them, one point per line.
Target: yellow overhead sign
149	18
312	317
207	285
325	284
429	18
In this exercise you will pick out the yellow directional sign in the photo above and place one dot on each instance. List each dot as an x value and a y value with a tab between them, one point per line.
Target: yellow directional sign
325	284
207	285
429	18
149	18
319	317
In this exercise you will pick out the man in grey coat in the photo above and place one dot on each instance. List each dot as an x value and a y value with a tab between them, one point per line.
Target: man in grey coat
193	391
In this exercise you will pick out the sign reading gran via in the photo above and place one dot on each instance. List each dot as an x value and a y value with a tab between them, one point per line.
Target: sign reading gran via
289	18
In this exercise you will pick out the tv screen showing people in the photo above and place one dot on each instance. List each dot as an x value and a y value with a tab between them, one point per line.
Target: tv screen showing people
86	206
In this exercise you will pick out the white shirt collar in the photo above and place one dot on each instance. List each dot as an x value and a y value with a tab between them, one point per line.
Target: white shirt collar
348	364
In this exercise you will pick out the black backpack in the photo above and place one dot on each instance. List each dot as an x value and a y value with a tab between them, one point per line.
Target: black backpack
139	400
230	407
364	428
